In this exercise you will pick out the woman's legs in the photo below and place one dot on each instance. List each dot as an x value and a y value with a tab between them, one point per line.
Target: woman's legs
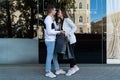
73	67
72	61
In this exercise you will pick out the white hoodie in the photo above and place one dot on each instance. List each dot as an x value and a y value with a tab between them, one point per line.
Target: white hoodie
50	34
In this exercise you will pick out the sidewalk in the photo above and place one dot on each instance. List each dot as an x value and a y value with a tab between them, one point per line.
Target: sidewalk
36	72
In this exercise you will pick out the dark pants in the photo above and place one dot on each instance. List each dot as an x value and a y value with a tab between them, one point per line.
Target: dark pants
72	61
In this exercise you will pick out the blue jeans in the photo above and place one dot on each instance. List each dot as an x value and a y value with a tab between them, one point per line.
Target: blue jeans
51	56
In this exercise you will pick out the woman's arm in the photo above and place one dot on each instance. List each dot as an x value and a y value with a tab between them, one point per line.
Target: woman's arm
72	25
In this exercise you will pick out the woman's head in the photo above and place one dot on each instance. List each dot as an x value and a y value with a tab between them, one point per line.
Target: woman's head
62	13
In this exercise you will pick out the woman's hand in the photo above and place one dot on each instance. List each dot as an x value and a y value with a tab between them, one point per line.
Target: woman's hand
68	36
62	32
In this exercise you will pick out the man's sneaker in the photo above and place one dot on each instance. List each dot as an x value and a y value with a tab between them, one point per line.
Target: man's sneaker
50	74
60	71
72	70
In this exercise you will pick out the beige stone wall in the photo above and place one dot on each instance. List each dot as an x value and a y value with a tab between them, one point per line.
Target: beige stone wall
113	36
85	13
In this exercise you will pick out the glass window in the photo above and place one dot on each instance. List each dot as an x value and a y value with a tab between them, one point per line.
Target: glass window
81	30
88	30
87	6
80	5
80	19
87	20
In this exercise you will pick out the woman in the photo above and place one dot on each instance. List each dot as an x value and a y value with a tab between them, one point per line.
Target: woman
69	27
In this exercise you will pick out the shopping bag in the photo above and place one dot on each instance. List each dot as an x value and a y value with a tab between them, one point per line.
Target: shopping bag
60	44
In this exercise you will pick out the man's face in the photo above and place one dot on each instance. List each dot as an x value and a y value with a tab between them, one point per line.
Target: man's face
54	11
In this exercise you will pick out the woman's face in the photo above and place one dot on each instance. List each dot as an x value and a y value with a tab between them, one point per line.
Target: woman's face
60	13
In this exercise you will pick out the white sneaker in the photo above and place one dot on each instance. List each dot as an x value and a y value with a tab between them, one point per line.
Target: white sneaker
72	70
76	68
50	74
60	71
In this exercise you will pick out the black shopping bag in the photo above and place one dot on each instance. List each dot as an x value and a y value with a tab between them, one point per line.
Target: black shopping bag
60	44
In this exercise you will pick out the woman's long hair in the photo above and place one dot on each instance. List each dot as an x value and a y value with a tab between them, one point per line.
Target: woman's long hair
64	13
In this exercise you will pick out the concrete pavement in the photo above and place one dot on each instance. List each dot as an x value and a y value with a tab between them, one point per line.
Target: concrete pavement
36	72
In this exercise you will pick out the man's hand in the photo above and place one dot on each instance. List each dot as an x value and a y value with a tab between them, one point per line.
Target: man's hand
62	32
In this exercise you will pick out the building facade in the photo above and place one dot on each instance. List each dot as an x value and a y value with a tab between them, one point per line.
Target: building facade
82	16
99	27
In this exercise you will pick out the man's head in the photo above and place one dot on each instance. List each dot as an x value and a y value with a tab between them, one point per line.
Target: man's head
51	9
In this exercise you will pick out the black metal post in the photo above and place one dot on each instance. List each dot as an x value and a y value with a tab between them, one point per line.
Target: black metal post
9	28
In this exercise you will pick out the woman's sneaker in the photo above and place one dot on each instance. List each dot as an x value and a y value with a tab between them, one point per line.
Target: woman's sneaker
72	71
50	74
60	71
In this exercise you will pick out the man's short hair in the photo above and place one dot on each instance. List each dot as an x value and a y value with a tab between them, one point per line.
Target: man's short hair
50	7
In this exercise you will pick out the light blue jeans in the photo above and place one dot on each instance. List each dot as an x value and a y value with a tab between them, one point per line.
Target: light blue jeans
51	56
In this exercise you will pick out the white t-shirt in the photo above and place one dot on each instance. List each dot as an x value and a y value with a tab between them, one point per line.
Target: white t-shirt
50	34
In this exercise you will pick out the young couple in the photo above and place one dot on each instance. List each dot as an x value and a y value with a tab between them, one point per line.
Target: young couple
68	28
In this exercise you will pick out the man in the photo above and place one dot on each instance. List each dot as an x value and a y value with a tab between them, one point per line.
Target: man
50	37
